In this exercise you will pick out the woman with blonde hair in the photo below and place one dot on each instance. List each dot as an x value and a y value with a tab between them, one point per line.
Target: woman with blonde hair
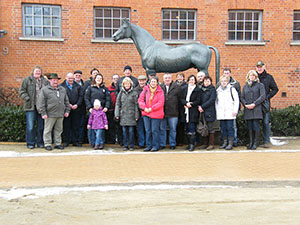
253	95
127	111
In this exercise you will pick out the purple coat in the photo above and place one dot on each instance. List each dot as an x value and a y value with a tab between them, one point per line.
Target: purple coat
98	119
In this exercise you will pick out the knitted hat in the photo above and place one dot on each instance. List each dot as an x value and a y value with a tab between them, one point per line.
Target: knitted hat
127	68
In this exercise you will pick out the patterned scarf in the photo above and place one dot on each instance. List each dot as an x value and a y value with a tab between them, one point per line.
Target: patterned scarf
152	91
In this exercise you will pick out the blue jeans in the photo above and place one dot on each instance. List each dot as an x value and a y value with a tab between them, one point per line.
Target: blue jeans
266	127
235	132
33	117
141	132
172	122
152	132
227	129
253	125
99	133
128	136
190	128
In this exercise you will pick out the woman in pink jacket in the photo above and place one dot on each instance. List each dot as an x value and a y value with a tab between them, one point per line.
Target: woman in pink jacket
151	102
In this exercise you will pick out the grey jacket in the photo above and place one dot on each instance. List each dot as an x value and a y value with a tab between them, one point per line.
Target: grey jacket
127	107
27	91
253	94
53	102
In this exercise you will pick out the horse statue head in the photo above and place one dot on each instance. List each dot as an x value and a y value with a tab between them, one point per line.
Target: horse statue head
123	32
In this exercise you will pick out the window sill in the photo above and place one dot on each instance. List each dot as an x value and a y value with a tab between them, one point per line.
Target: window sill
261	43
111	41
179	42
295	43
41	39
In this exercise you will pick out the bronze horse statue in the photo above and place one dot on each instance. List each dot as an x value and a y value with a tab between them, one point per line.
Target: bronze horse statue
158	57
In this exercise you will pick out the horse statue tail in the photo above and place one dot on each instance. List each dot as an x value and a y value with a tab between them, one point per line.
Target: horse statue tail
217	62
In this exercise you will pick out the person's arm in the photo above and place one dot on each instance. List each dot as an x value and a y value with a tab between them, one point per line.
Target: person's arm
23	91
262	95
273	87
141	100
41	104
118	106
210	101
80	96
87	97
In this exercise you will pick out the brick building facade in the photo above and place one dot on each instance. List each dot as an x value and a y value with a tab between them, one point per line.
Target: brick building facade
275	42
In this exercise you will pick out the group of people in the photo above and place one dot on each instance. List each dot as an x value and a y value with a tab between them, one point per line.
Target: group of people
144	108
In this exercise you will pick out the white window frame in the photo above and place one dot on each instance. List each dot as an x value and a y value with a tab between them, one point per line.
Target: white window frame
243	30
179	20
296	21
42	24
112	28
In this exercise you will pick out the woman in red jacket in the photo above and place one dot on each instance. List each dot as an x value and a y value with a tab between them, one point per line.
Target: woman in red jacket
151	102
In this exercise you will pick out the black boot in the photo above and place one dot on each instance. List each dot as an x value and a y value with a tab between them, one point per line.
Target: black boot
255	140
225	143
230	143
250	139
192	141
189	140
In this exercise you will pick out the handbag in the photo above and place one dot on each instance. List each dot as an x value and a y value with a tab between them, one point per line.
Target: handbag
265	106
202	127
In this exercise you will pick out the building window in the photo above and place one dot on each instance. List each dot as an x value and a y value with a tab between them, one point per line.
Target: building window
178	24
108	20
296	26
244	25
41	20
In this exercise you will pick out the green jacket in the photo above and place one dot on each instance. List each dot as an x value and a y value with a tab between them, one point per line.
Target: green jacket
27	91
53	102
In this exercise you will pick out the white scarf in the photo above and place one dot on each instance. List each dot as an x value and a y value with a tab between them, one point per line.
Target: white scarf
188	96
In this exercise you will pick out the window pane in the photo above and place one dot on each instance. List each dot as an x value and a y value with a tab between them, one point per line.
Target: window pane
182	35
296	36
248	26
107	33
125	13
116	23
240	26
297	16
174	25
99	12
174	35
256	16
231	35
166	35
47	31
183	15
99	33
28	31
239	35
183	25
47	21
248	16
191	15
166	15
174	15
255	26
107	13
231	16
37	10
297	26
166	25
248	35
37	20
46	11
255	36
191	35
28	10
99	22
116	13
55	21
231	25
38	31
55	11
107	23
240	16
191	25
55	32
28	20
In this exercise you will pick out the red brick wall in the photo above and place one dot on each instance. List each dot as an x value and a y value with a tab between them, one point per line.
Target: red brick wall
77	51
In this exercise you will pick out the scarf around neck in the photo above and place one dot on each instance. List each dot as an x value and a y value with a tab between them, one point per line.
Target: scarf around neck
152	91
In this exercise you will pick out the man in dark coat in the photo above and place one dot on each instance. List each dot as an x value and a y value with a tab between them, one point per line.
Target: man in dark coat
172	93
271	89
127	73
71	123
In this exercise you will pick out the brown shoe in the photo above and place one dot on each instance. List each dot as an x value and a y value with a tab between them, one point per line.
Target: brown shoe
210	147
266	145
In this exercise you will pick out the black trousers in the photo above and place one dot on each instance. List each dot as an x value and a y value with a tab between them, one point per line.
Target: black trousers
71	127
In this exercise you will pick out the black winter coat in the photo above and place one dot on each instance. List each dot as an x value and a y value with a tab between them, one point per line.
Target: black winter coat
195	100
172	99
75	95
93	92
253	94
269	83
208	98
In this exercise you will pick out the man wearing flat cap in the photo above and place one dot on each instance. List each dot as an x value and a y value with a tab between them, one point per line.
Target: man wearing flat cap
127	73
271	89
53	105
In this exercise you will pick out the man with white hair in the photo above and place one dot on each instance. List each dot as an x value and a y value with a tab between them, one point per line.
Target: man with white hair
71	123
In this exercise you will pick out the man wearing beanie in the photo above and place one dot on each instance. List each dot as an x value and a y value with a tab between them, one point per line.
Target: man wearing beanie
127	73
